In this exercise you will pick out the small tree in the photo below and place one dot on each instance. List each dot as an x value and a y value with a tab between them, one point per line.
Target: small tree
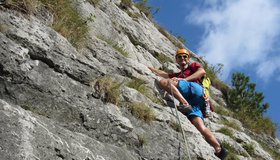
248	105
244	98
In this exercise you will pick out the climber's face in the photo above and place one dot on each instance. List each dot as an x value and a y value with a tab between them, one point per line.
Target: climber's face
182	59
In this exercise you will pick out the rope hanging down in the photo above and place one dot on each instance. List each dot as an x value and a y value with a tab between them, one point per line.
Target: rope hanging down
178	119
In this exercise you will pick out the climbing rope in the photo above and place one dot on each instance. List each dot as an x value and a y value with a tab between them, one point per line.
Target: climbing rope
178	119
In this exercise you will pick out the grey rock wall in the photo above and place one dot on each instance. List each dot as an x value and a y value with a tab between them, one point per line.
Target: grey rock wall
49	109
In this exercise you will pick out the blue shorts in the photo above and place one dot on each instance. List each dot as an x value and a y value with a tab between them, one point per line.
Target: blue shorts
193	93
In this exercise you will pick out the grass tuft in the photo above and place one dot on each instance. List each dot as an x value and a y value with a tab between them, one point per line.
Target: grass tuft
67	21
162	58
107	89
175	126
232	151
125	4
175	41
142	111
274	154
24	6
3	28
226	131
143	140
139	85
114	45
231	124
249	148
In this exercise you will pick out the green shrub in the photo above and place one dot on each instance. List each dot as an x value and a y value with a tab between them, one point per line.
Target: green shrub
125	4
249	148
143	6
247	103
181	39
231	124
172	39
221	110
230	148
257	124
162	58
243	95
232	156
274	154
212	72
139	85
142	111
33	109
108	89
132	15
226	131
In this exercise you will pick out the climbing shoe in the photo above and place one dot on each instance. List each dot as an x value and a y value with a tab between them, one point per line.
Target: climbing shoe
222	154
185	108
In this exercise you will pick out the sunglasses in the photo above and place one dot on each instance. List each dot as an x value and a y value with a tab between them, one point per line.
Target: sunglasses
179	57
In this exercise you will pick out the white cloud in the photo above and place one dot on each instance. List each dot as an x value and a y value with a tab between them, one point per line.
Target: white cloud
239	33
269	69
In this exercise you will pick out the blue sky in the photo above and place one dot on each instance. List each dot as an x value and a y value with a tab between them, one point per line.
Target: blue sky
243	35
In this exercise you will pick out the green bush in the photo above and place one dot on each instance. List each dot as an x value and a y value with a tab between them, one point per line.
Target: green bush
230	148
249	148
274	154
139	85
162	58
212	72
126	4
172	39
226	131
257	124
143	6
221	110
248	106
232	156
231	124
181	39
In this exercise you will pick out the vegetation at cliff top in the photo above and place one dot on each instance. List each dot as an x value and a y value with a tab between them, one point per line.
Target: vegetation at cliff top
248	105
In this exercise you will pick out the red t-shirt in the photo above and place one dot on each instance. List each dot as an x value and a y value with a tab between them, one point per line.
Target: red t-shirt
192	68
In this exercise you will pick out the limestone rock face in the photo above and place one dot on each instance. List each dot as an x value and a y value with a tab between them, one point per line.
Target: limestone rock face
52	105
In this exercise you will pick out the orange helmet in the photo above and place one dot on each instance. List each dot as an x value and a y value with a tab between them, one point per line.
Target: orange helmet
182	51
